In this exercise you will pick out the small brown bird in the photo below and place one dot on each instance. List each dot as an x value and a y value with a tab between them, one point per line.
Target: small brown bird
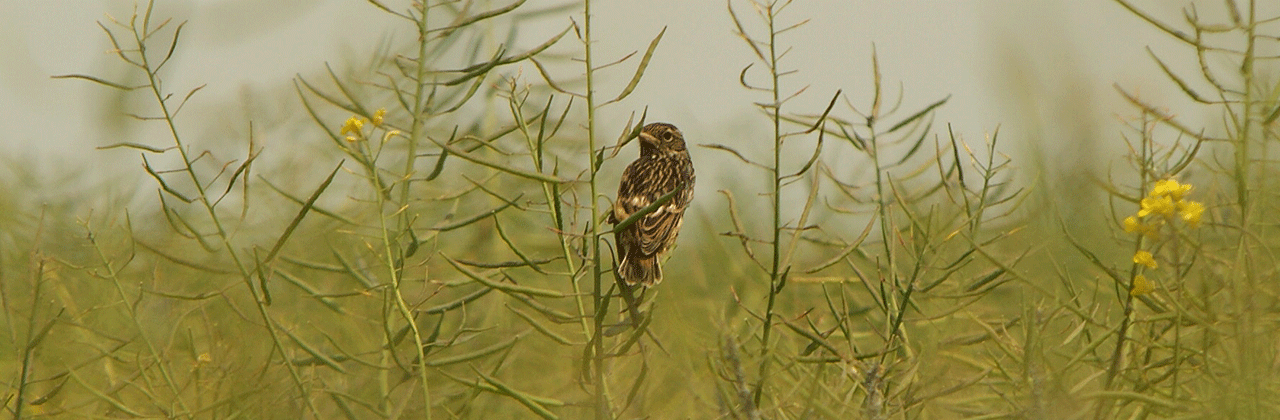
664	166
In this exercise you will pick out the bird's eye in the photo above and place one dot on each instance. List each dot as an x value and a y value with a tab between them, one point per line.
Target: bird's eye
668	136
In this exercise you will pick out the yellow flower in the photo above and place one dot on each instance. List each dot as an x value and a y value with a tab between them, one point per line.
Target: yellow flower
1158	205
1133	225
1181	191
351	129
1160	188
202	359
1144	258
1163	187
378	116
1142	286
1191	212
1170	188
353	125
390	135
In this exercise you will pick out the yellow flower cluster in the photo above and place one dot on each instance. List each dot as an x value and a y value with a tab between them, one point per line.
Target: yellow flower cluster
1145	258
1166	202
354	126
1142	286
351	129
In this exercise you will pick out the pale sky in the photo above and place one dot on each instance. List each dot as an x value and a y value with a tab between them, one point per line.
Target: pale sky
1042	71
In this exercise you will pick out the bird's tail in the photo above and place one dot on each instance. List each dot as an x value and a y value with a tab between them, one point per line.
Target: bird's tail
644	271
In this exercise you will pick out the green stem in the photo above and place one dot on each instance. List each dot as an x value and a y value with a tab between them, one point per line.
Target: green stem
29	347
551	192
894	308
776	270
416	132
153	80
601	401
1247	303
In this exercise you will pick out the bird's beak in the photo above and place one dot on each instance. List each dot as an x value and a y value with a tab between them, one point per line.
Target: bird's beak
648	139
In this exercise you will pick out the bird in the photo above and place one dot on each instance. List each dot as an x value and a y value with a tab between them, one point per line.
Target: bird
664	166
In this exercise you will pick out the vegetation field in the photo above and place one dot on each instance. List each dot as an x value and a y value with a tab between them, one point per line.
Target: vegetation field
436	244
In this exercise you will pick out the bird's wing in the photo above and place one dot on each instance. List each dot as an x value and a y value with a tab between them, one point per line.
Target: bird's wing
642	184
658	229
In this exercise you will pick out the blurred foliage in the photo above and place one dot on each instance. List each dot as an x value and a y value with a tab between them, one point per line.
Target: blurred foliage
444	254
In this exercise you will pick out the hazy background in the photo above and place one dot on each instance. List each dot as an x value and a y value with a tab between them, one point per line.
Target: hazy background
1040	71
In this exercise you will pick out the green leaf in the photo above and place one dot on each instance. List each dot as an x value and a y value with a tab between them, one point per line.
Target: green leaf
504	168
918	115
647	209
508	288
306	207
98	81
466	357
472	219
314	208
498	60
523	398
644	64
445	307
468	20
138	146
545	330
323	358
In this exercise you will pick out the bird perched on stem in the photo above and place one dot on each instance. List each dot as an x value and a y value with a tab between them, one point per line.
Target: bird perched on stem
663	167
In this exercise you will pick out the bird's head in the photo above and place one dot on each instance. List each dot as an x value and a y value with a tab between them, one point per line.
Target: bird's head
661	139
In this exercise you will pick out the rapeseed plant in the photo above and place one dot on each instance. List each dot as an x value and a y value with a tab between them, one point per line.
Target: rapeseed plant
1163	207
